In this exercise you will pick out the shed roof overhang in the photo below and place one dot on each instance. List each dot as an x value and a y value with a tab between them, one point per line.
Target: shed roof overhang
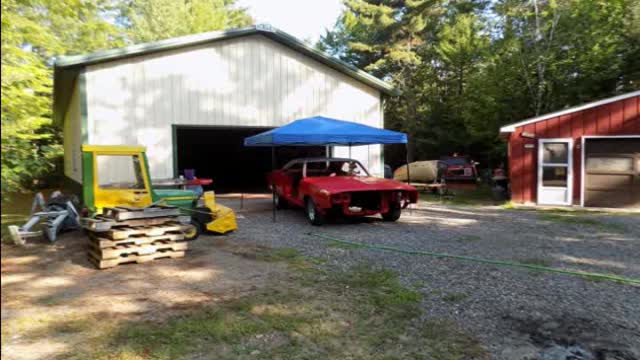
512	127
67	68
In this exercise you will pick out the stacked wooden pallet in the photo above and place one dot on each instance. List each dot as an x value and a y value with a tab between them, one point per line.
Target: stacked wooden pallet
136	235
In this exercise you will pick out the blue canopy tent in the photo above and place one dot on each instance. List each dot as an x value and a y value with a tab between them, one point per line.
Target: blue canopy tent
320	130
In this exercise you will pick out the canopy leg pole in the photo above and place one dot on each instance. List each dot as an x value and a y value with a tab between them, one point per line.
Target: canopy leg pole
273	185
369	157
408	172
349	150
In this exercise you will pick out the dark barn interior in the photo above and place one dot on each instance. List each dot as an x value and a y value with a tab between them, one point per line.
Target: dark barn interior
219	153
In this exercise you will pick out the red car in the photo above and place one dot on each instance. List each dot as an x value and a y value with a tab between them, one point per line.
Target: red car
340	186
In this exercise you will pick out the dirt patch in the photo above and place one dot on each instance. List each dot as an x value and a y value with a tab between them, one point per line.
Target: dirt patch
54	290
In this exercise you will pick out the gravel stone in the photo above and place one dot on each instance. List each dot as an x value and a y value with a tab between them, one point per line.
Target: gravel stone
511	310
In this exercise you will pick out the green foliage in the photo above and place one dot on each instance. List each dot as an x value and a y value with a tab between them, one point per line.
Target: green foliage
34	32
466	68
150	20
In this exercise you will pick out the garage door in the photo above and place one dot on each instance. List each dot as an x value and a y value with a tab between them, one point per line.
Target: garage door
219	153
612	173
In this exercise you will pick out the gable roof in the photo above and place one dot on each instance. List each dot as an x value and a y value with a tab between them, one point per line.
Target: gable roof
66	68
512	127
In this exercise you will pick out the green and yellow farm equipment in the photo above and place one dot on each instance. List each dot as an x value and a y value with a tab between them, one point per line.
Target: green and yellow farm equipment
118	176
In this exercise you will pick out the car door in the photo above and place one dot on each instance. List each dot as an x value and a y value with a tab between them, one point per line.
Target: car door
292	176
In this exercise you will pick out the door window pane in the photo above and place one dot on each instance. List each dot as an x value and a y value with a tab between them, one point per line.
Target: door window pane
119	172
555	153
554	176
619	164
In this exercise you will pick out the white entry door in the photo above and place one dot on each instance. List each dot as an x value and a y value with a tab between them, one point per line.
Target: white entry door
555	171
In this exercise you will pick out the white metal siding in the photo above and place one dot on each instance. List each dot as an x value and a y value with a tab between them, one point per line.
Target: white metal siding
72	142
249	81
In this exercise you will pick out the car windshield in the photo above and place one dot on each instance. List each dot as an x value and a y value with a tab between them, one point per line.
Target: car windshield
332	167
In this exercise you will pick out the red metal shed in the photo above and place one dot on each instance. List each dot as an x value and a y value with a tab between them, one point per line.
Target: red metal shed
588	155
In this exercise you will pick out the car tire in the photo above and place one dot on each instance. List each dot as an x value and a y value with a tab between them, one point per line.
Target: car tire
194	231
280	202
393	214
315	217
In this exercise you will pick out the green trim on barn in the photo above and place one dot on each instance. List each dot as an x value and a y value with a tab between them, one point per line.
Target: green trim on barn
174	145
84	110
154	196
87	181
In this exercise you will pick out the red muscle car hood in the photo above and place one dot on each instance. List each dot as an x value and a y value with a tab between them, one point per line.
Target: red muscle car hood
337	184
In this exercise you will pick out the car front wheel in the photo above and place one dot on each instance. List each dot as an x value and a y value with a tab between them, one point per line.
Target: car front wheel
313	214
280	202
393	214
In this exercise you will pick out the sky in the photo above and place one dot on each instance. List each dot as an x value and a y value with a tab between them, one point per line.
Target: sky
304	19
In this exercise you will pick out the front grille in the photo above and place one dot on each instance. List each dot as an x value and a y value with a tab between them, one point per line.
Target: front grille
369	200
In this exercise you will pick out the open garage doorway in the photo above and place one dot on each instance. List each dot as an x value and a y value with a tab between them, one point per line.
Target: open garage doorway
611	171
219	153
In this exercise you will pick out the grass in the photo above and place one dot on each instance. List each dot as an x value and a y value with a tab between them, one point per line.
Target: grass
482	195
361	313
581	220
568	219
568	211
226	324
383	287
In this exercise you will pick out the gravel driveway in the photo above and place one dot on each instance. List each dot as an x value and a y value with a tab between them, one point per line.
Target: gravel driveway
516	313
